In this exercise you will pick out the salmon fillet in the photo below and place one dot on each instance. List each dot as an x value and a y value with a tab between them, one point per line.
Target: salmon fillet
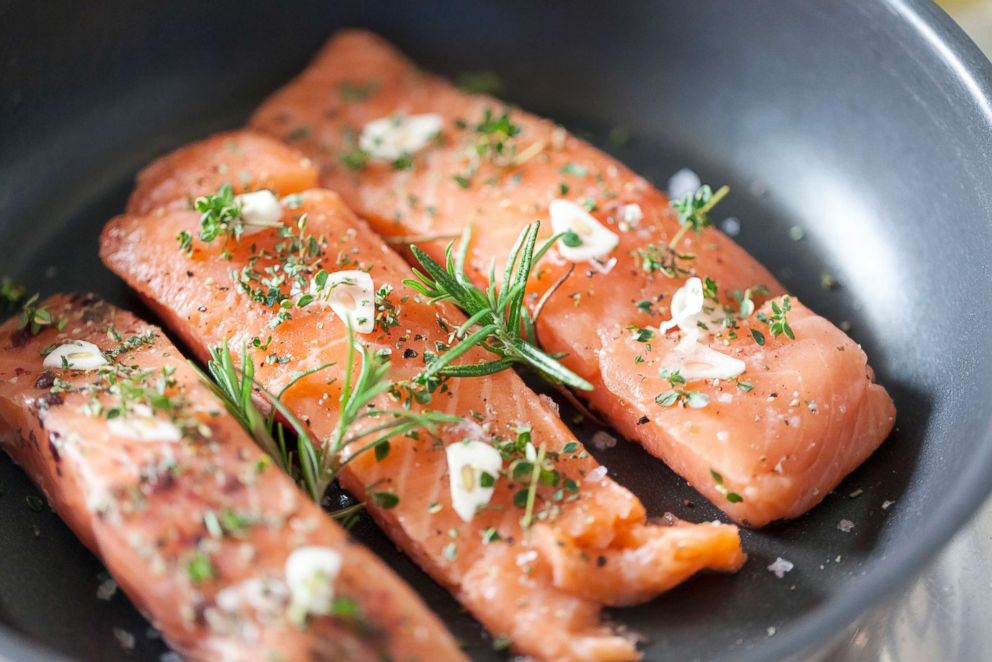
541	587
244	160
205	535
807	411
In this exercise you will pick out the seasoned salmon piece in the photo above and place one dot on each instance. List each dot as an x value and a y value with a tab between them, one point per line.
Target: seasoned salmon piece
521	578
776	436
246	161
209	539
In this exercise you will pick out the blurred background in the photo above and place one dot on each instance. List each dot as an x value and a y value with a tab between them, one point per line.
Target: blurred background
975	16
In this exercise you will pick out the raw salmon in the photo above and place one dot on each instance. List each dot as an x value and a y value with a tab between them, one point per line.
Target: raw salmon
770	444
205	535
244	160
541	587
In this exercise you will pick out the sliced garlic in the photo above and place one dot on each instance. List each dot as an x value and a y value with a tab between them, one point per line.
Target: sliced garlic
689	310
351	295
310	575
259	210
389	138
468	461
695	360
687	303
594	239
77	354
141	424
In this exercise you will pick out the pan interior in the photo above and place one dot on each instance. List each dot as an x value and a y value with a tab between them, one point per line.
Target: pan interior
840	119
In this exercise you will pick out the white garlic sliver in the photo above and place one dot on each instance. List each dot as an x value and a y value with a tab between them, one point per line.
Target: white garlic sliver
259	210
695	360
468	461
351	295
595	239
77	354
389	138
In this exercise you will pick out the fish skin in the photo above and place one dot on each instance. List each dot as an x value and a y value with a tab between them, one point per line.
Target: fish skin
536	598
780	471
144	522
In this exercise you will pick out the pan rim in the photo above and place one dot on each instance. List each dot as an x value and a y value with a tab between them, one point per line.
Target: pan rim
968	68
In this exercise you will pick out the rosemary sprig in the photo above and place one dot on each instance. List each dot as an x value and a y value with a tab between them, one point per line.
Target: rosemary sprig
319	462
356	396
497	314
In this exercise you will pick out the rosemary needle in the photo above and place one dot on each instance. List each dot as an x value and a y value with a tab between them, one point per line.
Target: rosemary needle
497	316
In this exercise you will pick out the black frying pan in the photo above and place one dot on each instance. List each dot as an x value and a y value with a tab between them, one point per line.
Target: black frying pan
867	123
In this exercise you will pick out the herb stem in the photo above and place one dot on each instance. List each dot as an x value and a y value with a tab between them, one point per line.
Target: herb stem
535	475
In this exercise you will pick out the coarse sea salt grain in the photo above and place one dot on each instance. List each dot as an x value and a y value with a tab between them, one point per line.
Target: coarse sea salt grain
603	440
845	525
125	639
780	566
106	589
597	474
683	183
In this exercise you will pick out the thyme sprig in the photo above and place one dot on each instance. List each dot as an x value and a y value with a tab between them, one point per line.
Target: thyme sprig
34	318
693	211
497	317
677	393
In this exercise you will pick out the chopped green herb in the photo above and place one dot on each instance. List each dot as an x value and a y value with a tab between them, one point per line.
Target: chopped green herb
745	386
385	499
480	82
778	324
299	133
355	92
573	169
732	497
200	568
354	159
571	239
692	399
345	607
490	535
34	318
11	293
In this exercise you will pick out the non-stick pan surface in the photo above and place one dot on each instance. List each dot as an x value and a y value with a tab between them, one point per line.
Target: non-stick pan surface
866	124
